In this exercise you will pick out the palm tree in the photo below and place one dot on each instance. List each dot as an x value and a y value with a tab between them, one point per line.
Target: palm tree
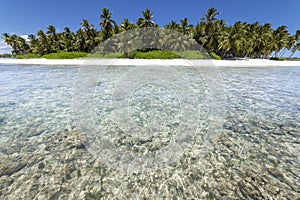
178	42
116	28
172	26
211	14
199	33
33	42
7	39
124	44
210	37
52	37
51	31
79	40
89	36
264	42
185	27
44	46
254	39
86	27
22	45
210	18
148	35
296	45
126	25
106	23
294	49
18	44
146	20
241	39
279	40
67	40
11	41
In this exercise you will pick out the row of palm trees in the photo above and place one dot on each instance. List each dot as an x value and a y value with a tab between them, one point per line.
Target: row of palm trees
241	39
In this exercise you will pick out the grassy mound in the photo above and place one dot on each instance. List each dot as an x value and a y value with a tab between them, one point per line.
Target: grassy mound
28	56
153	54
192	55
101	54
293	59
65	55
215	56
156	54
276	58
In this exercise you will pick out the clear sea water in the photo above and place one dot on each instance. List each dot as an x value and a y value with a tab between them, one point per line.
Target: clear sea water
260	135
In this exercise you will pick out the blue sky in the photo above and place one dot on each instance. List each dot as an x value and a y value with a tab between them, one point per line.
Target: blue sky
26	17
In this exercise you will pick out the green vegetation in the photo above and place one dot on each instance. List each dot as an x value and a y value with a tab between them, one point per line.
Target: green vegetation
131	54
156	54
6	55
215	56
279	59
59	55
152	54
192	55
65	55
106	55
293	59
241	39
28	56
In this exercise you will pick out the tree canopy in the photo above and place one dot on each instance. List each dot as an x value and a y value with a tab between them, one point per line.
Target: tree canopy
241	39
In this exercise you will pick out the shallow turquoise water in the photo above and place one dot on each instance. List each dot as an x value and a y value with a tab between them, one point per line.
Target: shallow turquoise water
35	98
260	136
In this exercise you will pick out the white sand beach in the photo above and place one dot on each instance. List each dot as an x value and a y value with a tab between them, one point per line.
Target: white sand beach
175	62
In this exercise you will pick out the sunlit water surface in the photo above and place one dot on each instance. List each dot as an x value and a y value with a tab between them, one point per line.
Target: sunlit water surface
255	156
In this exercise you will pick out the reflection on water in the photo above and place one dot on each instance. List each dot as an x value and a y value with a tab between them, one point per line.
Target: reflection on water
255	156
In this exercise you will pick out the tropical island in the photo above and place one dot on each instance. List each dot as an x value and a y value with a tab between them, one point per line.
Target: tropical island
221	41
170	118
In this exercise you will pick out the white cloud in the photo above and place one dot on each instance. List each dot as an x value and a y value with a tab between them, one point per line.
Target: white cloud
4	48
25	37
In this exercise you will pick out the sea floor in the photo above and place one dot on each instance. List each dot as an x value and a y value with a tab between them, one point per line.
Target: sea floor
254	155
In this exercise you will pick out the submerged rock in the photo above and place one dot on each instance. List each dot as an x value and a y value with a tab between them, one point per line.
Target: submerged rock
10	166
41	165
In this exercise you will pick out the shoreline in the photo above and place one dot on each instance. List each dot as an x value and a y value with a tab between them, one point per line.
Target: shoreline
174	62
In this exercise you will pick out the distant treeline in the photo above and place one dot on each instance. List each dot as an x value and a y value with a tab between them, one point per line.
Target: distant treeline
241	39
6	55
